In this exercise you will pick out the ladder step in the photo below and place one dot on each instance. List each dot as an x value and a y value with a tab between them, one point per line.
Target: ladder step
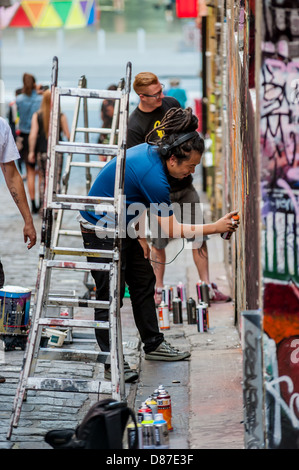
85	199
62	354
84	148
84	303
90	93
79	206
78	265
68	385
69	323
77	233
95	130
88	164
60	250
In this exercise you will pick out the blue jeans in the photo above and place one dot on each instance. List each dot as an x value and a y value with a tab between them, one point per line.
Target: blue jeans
138	274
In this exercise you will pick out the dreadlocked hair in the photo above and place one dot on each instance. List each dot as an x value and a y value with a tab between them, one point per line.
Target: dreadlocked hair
175	123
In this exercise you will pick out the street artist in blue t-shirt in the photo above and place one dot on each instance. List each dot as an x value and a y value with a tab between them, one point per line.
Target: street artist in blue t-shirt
146	186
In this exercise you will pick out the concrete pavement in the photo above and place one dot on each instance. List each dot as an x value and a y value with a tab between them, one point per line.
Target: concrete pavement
206	390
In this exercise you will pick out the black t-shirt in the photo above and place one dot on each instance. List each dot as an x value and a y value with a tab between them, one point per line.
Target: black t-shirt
141	123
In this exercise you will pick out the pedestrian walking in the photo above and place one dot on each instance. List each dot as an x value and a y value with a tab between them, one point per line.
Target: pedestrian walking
147	116
177	92
177	153
8	155
27	103
38	141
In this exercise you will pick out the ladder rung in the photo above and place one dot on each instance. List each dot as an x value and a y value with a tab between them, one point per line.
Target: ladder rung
71	302
95	130
72	355
75	233
81	206
90	93
78	265
67	385
77	206
69	323
88	164
85	199
60	250
81	147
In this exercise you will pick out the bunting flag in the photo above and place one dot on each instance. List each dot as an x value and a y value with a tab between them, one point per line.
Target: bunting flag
49	14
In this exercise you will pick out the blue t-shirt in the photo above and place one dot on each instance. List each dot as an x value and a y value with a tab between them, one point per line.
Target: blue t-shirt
146	184
27	106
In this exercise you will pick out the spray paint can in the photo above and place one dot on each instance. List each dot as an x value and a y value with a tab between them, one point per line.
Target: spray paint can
227	235
191	311
151	402
148	440
177	310
163	316
202	317
164	406
165	294
206	323
170	298
181	291
142	411
205	294
131	433
161	434
198	291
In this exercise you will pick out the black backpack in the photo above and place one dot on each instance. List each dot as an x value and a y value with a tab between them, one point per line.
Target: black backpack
102	428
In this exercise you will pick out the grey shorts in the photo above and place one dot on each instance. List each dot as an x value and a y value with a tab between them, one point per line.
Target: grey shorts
187	209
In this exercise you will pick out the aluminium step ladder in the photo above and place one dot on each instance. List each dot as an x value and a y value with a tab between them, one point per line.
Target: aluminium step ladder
55	201
112	133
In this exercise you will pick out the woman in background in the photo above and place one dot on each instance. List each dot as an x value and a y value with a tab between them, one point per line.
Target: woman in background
38	141
28	102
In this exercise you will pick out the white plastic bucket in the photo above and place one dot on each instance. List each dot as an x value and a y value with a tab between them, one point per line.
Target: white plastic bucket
56	337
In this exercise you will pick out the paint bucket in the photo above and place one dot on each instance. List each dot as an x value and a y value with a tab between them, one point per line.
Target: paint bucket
56	337
14	309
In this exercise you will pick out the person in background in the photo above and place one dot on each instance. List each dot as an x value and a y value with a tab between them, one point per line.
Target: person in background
147	116
38	141
28	102
177	92
8	155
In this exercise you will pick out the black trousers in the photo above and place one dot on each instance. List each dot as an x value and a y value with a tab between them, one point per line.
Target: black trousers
138	273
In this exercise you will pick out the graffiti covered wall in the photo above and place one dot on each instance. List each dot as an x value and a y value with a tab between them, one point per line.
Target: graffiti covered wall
279	158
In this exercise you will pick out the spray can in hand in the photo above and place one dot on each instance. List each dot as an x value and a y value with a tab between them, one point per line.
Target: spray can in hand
227	235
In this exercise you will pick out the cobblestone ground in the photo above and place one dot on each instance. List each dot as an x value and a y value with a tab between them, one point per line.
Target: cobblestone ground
43	411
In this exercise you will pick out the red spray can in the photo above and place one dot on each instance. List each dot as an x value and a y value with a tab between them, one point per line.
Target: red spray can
227	235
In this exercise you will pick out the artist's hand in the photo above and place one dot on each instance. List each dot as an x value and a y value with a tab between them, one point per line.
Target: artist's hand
226	224
145	247
29	234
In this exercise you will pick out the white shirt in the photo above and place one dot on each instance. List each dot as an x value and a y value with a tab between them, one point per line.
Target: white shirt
8	148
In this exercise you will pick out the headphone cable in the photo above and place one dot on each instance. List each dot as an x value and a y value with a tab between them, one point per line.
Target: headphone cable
169	262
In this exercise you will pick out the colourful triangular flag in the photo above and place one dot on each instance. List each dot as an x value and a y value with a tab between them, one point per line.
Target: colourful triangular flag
34	9
92	14
20	19
50	19
76	18
6	15
62	8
